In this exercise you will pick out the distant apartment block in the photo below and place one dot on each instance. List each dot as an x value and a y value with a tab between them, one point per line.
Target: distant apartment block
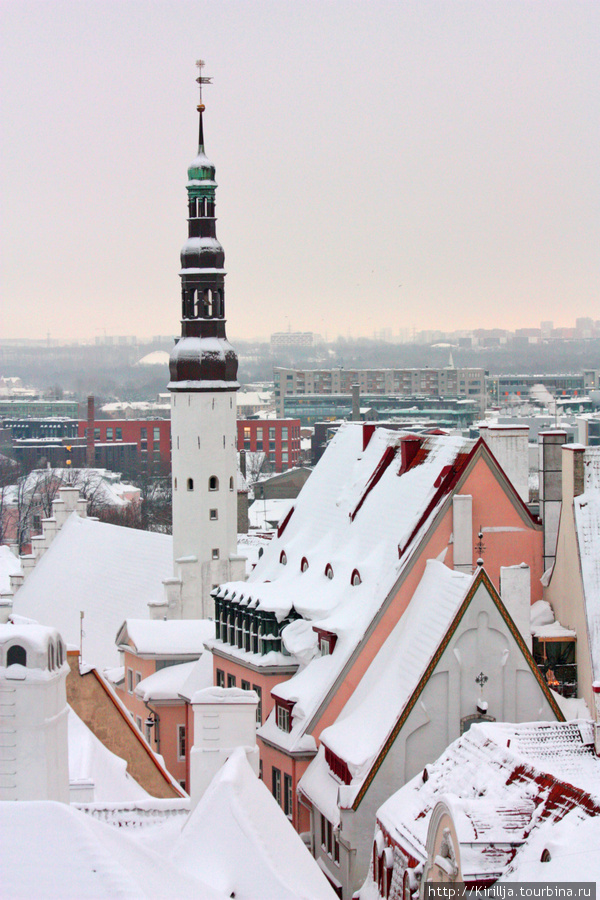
152	437
38	409
461	383
279	439
292	339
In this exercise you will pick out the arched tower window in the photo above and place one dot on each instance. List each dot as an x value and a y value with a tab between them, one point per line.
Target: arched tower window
231	483
213	483
190	484
16	656
51	657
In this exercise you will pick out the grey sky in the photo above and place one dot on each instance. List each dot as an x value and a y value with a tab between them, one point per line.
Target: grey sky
380	164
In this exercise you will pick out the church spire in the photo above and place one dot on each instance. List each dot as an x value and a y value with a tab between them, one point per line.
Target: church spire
202	281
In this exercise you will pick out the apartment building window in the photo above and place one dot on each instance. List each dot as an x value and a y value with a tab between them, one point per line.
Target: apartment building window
181	742
138	722
119	433
276	784
245	685
156	435
130	681
288	796
283	718
109	434
230	680
220	678
258	689
138	678
329	840
143	434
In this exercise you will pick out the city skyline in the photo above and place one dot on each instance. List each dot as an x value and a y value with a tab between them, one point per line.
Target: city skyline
416	166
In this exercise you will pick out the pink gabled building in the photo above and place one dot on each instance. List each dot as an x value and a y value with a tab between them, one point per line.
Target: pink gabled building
342	570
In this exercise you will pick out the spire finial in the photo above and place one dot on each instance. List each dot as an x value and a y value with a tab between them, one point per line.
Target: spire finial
201	79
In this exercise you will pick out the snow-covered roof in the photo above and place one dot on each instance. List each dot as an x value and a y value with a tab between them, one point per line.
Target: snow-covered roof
240	840
571	845
353	512
9	565
587	523
106	571
90	762
166	684
532	771
266	514
166	637
77	856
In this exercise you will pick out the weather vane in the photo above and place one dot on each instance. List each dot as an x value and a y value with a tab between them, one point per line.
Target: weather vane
201	79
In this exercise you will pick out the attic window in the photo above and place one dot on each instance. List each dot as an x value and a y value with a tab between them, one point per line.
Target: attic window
283	713
283	558
16	656
304	564
328	571
338	766
355	579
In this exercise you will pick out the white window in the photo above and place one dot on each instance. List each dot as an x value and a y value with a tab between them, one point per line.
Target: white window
181	742
283	718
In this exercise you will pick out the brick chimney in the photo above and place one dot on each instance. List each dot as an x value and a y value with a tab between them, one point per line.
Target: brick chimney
90	456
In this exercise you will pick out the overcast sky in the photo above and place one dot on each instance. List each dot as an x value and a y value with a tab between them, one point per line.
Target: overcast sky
380	164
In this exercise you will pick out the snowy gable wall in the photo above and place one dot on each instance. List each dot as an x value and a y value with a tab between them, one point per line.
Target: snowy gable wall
587	520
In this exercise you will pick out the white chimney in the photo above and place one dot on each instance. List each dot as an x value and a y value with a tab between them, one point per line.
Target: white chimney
515	590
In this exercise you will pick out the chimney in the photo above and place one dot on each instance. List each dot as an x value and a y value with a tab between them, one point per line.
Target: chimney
550	445
510	446
356	402
515	590
462	532
90	452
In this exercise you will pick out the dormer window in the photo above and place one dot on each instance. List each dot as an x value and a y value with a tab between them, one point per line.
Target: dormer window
355	579
283	558
327	641
283	712
304	564
328	571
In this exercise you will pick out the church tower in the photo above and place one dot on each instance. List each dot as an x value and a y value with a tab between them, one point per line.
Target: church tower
203	371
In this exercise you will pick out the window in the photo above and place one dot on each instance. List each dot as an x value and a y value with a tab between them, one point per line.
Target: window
96	434
304	564
138	678
288	796
130	681
245	685
215	553
328	571
138	722
148	731
213	483
51	657
324	646
283	718
258	689
190	484
174	484
356	579
230	680
109	434
276	784
180	742
231	483
156	435
220	678
143	434
213	514
283	558
119	432
329	840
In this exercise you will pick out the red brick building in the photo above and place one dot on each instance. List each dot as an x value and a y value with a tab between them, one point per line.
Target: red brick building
152	437
278	438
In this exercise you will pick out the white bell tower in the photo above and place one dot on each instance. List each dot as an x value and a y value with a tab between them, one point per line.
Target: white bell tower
203	368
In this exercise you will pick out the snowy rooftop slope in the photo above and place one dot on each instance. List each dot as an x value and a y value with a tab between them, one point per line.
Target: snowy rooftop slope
77	857
107	571
573	845
9	565
587	521
90	760
496	767
354	512
242	843
371	713
171	637
166	684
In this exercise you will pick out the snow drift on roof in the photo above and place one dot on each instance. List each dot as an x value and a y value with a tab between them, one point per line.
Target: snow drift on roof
170	637
107	571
